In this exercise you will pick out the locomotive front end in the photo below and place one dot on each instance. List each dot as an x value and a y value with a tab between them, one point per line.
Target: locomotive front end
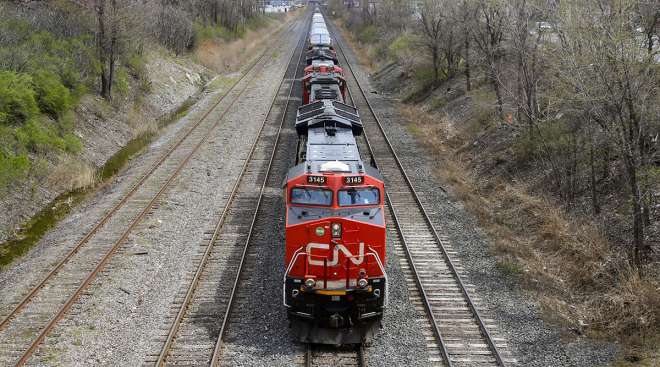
335	282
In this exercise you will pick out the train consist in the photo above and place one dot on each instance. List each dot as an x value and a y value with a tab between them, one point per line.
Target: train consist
335	284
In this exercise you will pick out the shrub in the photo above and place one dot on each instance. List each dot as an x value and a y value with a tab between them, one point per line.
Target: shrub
17	98
258	22
175	30
212	32
40	137
12	167
400	46
368	34
72	143
121	81
550	140
53	97
137	66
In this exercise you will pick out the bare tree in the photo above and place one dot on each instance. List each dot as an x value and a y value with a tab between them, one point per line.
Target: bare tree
431	26
649	14
525	47
488	35
465	17
175	27
606	74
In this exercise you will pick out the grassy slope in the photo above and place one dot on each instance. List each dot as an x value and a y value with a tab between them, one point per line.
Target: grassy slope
71	177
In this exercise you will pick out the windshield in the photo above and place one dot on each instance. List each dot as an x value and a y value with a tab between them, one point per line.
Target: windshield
366	196
309	196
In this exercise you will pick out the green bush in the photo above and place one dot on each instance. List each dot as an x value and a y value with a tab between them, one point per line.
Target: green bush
551	139
258	22
423	75
72	143
400	46
17	98
211	32
12	167
121	81
72	59
52	96
137	66
40	137
368	34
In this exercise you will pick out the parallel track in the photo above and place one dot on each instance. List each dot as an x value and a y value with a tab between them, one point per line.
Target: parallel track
195	336
48	302
461	334
331	356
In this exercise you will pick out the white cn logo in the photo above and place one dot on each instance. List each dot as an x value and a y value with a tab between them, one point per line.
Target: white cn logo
335	254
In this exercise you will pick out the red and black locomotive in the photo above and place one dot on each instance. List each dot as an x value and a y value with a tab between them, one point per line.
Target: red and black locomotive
335	284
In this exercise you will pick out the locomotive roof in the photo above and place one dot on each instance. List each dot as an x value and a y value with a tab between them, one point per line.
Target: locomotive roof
328	113
322	147
320	39
356	167
335	152
327	91
323	62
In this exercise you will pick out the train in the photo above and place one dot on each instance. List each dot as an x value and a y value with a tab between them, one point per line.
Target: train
335	283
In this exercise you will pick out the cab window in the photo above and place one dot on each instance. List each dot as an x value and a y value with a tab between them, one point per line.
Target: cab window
311	196
359	196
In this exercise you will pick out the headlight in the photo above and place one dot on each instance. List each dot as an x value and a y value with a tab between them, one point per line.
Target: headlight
310	283
336	230
362	283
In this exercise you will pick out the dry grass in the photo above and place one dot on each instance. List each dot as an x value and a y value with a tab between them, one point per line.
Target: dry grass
73	174
364	52
580	281
140	123
230	56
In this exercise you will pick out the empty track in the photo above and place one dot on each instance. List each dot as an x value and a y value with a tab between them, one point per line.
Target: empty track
456	333
331	356
200	315
34	316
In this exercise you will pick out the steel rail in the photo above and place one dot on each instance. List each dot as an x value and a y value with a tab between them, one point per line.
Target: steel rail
162	358
440	242
427	305
72	299
215	359
26	299
308	355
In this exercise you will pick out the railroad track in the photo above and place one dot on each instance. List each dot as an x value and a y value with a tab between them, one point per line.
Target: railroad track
331	356
201	313
35	315
456	332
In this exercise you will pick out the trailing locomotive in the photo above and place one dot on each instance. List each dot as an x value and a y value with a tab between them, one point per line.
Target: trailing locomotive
335	284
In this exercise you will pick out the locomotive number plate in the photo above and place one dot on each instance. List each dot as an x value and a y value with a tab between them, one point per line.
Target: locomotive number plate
353	180
317	180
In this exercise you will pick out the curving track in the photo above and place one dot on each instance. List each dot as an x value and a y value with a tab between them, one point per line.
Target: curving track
33	317
456	332
201	315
